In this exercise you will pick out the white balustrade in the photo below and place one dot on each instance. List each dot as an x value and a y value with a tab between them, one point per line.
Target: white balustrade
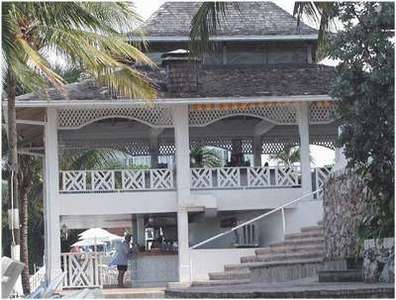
102	180
201	178
161	179
286	176
116	180
133	180
321	176
82	270
73	181
228	177
259	177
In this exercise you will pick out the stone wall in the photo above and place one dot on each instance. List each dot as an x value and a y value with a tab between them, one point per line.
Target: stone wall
379	260
344	209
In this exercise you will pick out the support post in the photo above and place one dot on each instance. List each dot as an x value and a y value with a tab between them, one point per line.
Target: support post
302	115
51	199
257	149
140	231
154	146
180	121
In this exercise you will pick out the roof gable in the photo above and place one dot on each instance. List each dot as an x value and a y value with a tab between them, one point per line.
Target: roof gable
251	19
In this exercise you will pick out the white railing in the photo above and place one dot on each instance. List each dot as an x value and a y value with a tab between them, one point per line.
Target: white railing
244	177
82	270
37	279
99	181
280	208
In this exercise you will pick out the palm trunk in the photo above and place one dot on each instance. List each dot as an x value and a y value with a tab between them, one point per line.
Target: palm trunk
24	191
12	141
13	161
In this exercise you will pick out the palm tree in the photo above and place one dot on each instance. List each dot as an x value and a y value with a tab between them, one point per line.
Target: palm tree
289	155
208	19
89	35
205	157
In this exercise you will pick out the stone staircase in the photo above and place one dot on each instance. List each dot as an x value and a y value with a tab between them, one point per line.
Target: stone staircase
300	255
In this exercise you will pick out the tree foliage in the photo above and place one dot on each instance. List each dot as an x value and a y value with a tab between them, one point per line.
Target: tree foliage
365	88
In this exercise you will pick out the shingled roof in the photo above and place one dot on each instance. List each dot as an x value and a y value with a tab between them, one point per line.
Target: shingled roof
247	19
219	81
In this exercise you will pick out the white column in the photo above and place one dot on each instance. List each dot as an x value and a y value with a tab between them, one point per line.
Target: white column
51	192
182	157
257	150
302	114
140	231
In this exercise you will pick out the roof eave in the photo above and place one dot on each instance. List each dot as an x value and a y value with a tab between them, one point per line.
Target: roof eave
170	101
296	37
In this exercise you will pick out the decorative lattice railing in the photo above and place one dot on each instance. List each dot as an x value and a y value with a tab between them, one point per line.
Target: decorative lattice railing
101	181
244	177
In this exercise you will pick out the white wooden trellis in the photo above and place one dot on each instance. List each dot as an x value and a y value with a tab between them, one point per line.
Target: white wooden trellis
73	181
103	181
161	179
258	177
82	270
201	178
228	177
321	176
133	180
286	176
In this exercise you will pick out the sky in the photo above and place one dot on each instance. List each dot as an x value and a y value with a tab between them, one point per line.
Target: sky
321	155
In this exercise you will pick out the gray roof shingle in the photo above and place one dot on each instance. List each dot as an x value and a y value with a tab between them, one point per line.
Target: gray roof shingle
219	81
249	18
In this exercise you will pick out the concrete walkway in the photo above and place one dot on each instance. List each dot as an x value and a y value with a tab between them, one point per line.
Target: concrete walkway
306	288
134	293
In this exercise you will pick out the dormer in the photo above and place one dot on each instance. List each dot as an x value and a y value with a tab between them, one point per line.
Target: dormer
254	33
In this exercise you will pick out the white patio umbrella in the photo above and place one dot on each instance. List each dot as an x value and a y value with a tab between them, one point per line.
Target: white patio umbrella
99	234
83	243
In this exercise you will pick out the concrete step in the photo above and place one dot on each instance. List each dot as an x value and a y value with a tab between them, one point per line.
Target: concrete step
312	228
281	262
303	235
220	282
298	242
341	276
230	275
302	253
291	255
289	249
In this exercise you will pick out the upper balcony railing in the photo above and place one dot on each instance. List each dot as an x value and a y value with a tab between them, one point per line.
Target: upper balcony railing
100	181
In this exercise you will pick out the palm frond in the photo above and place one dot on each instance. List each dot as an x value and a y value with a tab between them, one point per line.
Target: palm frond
205	23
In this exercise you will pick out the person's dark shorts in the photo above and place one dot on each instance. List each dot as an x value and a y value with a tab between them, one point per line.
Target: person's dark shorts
122	267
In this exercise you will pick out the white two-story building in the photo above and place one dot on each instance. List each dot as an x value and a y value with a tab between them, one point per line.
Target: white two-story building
258	94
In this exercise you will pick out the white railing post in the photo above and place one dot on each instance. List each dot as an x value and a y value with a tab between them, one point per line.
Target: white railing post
283	221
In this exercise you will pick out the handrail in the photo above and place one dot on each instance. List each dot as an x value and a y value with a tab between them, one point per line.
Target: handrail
255	219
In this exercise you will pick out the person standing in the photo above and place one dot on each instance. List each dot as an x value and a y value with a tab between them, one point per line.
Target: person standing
120	259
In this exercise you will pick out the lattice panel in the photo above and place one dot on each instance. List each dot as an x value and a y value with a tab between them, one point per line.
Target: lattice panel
322	112
103	180
161	179
167	149
280	113
77	118
328	141
258	177
133	180
286	177
228	177
221	142
201	178
73	181
273	144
